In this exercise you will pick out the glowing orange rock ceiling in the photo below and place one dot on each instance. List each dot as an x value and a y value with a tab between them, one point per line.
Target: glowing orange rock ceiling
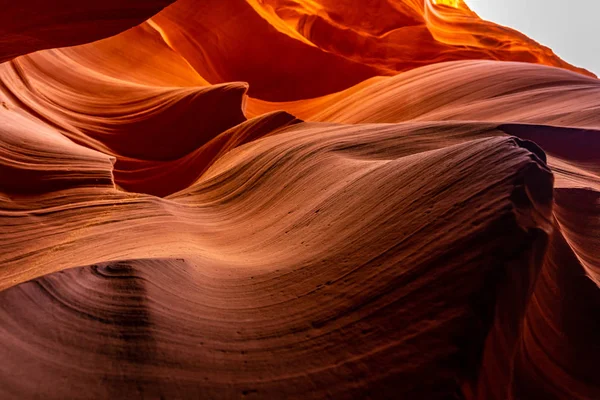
293	199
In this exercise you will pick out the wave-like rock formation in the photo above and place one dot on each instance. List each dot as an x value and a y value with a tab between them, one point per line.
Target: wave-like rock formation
294	199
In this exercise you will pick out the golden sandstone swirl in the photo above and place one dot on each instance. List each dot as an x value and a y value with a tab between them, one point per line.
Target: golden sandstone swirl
294	199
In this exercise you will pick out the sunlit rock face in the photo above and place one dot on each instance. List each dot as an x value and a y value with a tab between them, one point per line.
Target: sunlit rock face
293	199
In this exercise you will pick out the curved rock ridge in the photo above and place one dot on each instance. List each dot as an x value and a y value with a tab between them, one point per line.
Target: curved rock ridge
267	288
294	199
152	132
346	142
470	90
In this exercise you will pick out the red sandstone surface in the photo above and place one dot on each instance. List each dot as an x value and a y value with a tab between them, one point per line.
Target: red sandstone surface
388	199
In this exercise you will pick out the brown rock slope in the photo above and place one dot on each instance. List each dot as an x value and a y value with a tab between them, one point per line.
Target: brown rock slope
278	272
430	235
